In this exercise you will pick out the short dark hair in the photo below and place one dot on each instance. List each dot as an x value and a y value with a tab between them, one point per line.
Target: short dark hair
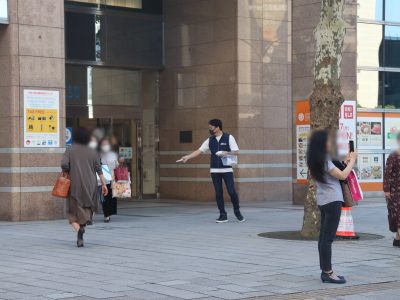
81	136
216	123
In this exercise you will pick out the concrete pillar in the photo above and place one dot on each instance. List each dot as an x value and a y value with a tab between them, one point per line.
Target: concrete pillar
31	57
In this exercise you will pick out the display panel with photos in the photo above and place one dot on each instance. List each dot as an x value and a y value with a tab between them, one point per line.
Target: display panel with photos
369	131
392	127
370	167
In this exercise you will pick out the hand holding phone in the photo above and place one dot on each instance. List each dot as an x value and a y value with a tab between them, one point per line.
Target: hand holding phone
351	146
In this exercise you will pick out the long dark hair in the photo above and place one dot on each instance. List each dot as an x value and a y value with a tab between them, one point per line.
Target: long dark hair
317	153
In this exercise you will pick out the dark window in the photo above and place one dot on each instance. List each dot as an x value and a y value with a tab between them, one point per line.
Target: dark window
118	39
75	85
185	137
80	36
392	46
134	41
392	90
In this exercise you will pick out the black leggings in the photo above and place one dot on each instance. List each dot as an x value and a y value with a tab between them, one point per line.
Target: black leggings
330	217
109	203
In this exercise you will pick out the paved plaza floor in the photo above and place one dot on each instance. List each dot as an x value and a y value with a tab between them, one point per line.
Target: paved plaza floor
174	250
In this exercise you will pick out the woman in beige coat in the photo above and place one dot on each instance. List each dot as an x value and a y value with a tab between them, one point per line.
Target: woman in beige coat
82	163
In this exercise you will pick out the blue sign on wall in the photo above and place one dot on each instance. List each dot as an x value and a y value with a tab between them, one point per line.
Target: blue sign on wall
68	136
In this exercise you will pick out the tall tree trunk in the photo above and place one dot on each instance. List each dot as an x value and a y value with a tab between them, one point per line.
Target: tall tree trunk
326	98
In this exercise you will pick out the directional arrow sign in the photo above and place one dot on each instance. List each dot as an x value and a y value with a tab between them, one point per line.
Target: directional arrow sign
302	173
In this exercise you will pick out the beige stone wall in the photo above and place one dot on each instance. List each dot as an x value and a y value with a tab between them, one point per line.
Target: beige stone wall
199	84
228	60
264	101
31	57
306	15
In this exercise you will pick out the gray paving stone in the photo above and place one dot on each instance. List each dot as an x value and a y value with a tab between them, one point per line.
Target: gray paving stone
170	291
62	296
178	252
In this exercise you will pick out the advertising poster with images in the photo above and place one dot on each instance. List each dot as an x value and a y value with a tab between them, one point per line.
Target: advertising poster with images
369	131
370	167
392	127
302	133
347	126
125	152
41	118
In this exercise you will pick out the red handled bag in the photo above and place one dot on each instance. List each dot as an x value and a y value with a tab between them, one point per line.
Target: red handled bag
121	173
62	186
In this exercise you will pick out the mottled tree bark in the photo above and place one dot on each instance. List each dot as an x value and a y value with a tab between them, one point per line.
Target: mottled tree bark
326	97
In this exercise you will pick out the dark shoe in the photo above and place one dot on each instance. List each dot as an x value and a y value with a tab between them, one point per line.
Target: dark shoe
107	220
396	243
79	242
89	223
326	278
239	216
222	219
341	277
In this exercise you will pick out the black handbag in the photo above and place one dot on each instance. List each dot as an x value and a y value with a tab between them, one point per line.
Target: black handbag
393	226
347	197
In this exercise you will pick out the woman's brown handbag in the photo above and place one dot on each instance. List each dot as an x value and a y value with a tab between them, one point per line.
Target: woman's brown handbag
62	186
348	198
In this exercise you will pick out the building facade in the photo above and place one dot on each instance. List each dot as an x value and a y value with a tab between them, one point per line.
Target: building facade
151	73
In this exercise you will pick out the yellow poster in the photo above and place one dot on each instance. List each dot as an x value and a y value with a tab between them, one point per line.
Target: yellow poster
41	112
42	120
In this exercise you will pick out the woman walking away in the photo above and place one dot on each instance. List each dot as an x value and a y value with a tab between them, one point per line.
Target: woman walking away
109	158
392	191
82	163
329	196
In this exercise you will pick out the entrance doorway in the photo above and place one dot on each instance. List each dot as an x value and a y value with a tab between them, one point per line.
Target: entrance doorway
122	105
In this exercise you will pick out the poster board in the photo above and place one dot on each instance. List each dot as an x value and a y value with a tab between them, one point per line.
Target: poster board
347	126
41	118
302	132
370	167
68	136
370	131
347	131
392	128
125	152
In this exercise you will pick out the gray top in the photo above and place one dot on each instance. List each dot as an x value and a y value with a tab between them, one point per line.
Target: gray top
82	163
330	191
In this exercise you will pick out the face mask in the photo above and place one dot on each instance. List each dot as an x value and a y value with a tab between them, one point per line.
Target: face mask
93	144
106	148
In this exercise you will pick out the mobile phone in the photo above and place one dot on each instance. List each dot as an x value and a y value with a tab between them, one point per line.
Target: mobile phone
351	146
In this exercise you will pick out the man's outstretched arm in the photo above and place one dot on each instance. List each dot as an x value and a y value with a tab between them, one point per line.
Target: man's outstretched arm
191	155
